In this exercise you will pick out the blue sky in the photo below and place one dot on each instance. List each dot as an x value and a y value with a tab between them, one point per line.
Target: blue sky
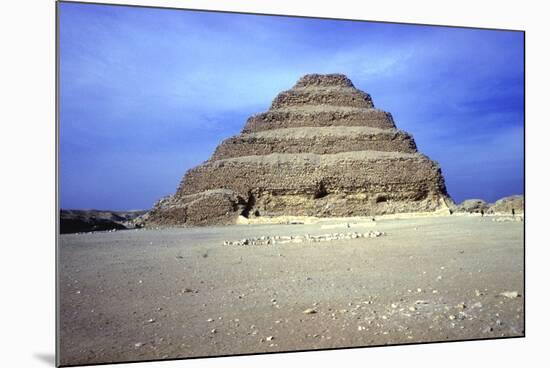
146	94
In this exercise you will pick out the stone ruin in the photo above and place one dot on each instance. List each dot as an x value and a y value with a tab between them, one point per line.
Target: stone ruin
273	240
322	149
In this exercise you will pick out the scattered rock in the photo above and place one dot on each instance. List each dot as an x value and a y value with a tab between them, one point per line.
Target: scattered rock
309	311
270	240
510	294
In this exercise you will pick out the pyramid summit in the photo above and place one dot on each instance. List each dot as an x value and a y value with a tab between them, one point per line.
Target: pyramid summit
322	149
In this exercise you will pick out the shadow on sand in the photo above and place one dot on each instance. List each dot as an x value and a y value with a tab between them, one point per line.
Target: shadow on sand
46	358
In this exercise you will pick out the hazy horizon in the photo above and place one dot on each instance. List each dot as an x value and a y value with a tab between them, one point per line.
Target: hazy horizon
146	94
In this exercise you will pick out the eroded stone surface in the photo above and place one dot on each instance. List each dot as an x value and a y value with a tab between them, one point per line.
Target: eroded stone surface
322	149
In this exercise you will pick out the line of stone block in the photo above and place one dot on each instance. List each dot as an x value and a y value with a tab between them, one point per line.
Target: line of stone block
273	240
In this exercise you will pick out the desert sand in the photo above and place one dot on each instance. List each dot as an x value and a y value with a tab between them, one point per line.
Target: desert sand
176	293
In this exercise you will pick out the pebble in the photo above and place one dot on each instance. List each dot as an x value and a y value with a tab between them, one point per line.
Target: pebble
510	294
138	344
309	311
213	331
210	320
269	338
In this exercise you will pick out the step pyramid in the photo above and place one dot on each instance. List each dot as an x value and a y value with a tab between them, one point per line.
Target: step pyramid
322	149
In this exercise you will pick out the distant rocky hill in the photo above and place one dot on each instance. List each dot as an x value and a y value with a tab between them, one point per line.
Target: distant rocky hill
323	150
507	204
77	221
503	206
473	206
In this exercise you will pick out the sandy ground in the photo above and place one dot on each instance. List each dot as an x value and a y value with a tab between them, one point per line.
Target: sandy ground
174	293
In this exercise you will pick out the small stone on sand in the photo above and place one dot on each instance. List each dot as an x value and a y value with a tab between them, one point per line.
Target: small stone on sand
510	294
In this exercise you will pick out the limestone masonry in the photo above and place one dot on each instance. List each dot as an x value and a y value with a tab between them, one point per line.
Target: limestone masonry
322	149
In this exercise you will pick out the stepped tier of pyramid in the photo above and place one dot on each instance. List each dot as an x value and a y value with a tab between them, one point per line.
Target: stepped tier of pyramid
323	150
